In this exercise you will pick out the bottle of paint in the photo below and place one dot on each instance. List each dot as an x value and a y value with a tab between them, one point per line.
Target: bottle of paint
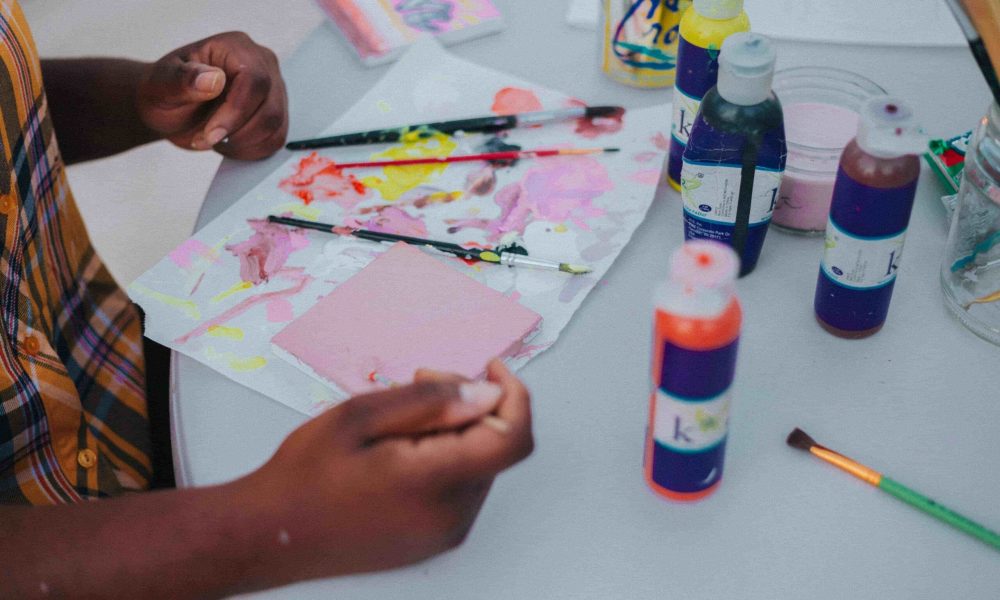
869	214
704	26
695	336
732	165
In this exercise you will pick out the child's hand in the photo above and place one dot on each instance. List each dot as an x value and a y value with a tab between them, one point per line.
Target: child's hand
394	477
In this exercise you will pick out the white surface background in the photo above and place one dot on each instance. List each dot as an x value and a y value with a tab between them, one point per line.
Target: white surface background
918	400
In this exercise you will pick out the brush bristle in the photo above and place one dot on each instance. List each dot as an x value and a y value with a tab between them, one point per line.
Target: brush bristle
574	269
801	440
612	149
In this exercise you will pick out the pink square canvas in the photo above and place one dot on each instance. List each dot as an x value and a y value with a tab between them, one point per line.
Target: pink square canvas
405	310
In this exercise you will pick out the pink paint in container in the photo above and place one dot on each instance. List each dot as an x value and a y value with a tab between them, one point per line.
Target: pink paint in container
821	116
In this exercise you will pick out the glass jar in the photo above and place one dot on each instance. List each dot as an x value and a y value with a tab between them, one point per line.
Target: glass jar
821	116
970	273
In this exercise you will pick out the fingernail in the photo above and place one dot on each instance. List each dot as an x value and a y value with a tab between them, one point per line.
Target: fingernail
208	81
215	136
480	392
496	424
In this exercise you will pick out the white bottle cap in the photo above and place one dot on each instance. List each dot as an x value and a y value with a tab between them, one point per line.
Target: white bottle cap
718	10
702	279
888	129
746	68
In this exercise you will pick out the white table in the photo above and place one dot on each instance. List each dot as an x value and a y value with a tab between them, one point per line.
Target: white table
920	400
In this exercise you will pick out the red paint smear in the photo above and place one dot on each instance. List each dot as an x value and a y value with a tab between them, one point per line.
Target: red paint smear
512	100
592	127
242	307
472	261
320	179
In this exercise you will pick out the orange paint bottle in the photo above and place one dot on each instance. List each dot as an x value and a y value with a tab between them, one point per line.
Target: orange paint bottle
695	338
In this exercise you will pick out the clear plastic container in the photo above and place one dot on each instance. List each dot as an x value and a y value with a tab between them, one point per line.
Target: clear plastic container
970	273
821	114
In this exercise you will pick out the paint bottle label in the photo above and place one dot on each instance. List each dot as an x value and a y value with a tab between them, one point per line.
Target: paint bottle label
639	41
711	196
861	262
697	72
687	425
864	245
690	416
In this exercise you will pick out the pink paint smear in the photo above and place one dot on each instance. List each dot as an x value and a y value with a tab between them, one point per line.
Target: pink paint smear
184	255
646	176
320	179
661	142
296	274
267	250
280	311
557	190
512	100
392	219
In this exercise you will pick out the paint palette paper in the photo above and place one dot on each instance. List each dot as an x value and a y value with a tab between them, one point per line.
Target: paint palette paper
222	295
379	30
404	311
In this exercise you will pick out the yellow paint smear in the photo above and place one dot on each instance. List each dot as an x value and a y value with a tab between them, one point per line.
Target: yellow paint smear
309	213
229	333
236	363
397	180
560	228
242	365
237	288
188	307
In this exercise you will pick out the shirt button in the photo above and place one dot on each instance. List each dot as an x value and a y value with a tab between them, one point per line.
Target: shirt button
31	345
87	458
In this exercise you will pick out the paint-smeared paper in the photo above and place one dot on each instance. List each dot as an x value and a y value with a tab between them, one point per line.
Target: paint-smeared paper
223	294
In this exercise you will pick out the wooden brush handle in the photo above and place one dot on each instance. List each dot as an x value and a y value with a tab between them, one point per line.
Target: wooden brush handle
985	17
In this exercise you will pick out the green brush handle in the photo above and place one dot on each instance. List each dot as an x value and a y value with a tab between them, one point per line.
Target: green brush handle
943	513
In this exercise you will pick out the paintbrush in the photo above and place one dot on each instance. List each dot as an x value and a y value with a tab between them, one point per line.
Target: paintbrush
492	421
799	439
488	124
506	155
977	46
495	256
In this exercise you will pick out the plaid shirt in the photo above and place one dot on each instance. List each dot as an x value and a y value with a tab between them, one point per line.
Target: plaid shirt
73	421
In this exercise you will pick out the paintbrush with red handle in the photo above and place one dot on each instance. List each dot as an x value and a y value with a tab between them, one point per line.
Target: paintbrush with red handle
506	155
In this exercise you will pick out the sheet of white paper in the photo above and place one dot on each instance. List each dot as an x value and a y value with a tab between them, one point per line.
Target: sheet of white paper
225	292
873	22
584	13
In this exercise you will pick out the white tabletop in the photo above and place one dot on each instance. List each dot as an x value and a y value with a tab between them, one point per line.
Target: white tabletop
919	400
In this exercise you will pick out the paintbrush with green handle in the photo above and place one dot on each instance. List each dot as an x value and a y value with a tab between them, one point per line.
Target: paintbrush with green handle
801	440
500	257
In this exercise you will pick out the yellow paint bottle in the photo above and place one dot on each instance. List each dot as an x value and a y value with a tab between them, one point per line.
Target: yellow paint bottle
703	28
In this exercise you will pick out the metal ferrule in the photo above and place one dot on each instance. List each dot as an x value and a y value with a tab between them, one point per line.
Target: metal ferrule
520	260
851	466
547	116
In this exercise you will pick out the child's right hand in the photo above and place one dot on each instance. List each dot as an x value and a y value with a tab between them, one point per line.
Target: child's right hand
390	478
